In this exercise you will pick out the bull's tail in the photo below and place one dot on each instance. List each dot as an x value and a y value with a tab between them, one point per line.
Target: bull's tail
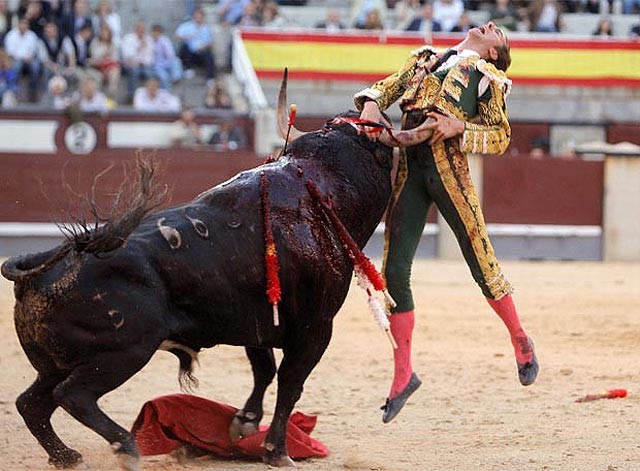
188	358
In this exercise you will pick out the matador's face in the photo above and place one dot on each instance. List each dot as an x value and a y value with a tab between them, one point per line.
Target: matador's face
487	37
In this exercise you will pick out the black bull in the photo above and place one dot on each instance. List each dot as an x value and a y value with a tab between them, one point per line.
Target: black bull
193	276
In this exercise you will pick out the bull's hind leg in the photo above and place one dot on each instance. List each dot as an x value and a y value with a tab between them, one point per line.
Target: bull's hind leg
246	420
36	405
79	393
299	360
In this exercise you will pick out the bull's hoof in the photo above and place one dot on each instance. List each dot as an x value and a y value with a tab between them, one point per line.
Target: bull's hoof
281	461
242	425
69	459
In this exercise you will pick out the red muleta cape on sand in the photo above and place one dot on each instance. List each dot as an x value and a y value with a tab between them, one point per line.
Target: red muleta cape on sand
169	422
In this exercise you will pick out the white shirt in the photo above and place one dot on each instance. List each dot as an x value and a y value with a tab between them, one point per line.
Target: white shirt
447	14
163	101
136	51
21	46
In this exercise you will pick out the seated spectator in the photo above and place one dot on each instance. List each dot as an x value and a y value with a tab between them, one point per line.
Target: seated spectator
545	16
447	13
424	22
6	19
185	132
22	46
504	15
271	17
78	17
56	53
251	15
166	65
89	98
56	97
217	97
604	28
137	57
196	45
590	6
8	81
35	16
230	11
104	59
361	8
372	21
228	136
630	6
151	98
104	15
635	31
464	24
331	22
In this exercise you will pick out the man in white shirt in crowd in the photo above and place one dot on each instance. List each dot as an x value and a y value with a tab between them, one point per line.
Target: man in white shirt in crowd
22	45
195	49
152	99
137	57
166	65
447	13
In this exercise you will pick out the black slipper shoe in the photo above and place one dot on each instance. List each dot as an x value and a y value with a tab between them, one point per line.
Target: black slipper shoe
393	406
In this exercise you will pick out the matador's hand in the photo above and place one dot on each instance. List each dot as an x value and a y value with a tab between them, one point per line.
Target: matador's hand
443	127
371	112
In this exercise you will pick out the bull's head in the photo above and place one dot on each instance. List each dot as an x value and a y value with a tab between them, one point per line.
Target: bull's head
389	137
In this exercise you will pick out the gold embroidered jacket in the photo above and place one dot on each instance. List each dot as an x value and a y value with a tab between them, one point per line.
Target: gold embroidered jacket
472	90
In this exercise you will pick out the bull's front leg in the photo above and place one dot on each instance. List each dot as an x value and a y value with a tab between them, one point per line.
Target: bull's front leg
247	419
297	363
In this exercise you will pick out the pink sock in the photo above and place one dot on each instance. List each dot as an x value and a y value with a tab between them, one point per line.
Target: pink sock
402	328
506	310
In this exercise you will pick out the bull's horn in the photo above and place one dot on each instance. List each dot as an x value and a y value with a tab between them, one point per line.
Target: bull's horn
24	266
407	137
283	117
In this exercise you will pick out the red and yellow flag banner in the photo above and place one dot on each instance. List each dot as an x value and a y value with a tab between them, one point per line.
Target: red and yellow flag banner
369	57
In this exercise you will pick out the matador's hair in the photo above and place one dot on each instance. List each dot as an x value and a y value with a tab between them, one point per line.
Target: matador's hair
503	61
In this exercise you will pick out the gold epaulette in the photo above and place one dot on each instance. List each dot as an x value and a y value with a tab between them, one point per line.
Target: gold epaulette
495	75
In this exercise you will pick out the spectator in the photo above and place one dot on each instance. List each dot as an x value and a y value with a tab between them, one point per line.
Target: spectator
166	65
250	15
22	46
372	21
406	11
8	81
78	17
6	19
56	53
81	43
151	98
228	136
504	15
271	17
604	28
630	6
230	11
464	24
331	22
545	16
447	13
635	31
56	97
218	97
104	14
591	6
104	60
424	22
361	8
185	132
89	98
36	18
137	57
196	45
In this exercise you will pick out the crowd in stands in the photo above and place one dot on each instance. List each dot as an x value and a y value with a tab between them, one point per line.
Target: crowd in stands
64	53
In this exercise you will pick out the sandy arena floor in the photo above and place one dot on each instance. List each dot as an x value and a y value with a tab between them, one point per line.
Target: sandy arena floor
470	414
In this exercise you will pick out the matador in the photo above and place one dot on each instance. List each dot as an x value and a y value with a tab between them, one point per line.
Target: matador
461	94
